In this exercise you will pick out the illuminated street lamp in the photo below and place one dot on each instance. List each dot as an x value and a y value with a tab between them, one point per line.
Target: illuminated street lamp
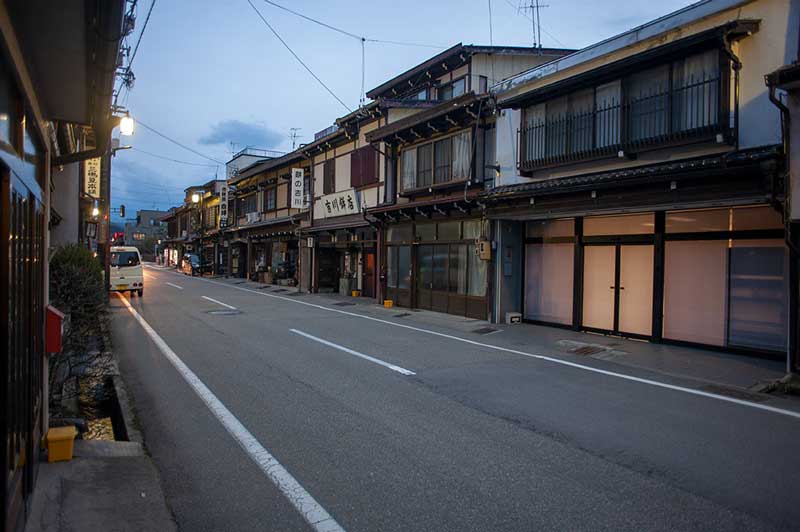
126	125
195	198
95	211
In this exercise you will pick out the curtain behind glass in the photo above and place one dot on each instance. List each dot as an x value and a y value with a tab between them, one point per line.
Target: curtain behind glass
695	85
648	95
462	150
607	101
408	168
476	269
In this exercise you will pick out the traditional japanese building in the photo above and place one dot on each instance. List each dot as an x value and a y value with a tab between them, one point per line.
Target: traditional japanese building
262	235
640	183
439	159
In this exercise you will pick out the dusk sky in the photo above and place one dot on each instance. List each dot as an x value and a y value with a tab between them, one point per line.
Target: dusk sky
209	73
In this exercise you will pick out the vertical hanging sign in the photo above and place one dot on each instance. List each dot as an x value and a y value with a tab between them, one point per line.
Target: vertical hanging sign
223	205
91	177
298	194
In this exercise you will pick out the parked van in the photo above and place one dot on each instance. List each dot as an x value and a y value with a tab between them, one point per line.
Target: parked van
126	270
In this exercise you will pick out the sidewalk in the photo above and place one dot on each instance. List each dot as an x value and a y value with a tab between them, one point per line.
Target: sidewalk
108	485
705	366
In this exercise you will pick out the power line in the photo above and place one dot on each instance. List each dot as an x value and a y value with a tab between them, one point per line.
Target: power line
349	34
162	135
173	160
139	40
298	57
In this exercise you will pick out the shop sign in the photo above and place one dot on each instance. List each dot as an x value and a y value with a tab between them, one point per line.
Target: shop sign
223	206
91	177
298	194
341	203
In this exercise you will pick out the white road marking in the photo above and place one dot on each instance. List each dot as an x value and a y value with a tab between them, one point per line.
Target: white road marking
219	302
314	514
658	384
175	286
392	367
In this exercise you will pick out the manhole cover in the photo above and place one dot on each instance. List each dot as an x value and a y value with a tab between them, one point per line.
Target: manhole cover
344	304
230	312
280	290
240	282
403	315
294	294
485	330
264	287
587	350
733	392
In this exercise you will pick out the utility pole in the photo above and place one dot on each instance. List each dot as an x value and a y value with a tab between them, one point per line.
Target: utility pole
294	136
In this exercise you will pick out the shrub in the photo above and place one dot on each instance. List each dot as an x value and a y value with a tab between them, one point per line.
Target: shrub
77	289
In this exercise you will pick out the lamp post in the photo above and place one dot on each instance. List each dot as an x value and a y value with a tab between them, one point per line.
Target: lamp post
197	199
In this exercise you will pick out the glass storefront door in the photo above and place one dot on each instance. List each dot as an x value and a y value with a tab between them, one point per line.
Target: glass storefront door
618	288
599	288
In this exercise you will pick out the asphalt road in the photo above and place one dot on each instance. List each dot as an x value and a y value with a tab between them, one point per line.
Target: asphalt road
475	439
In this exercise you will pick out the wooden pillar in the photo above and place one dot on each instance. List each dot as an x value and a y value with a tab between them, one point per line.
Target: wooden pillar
249	259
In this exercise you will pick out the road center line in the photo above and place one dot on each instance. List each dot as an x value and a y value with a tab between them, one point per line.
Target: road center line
219	302
658	384
313	513
392	367
175	286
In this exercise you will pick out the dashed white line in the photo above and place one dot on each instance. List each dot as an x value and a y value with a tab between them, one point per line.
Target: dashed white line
313	513
175	286
219	302
691	391
347	350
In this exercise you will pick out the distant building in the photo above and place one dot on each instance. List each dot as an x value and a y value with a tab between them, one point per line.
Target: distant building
146	231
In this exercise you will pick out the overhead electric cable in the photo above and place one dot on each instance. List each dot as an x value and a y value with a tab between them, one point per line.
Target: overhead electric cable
298	57
349	34
162	135
139	40
173	160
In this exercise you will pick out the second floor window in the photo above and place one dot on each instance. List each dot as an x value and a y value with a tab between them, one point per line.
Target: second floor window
454	89
271	199
363	166
247	205
439	162
672	101
329	177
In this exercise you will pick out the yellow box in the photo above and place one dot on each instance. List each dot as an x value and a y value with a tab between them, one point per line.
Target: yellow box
355	293
60	441
388	303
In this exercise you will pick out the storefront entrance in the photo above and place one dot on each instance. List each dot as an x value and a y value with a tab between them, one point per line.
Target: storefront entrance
618	288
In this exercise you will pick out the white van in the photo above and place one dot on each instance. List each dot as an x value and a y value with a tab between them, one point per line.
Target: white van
126	270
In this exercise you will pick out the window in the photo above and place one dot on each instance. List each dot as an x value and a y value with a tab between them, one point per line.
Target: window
424	166
439	162
676	101
329	177
421	95
363	166
443	155
408	168
271	199
454	89
247	204
125	258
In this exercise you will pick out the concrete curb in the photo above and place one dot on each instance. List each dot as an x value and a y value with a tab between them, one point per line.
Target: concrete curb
126	411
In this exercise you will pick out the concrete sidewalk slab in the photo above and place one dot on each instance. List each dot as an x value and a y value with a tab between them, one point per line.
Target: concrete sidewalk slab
107	486
703	365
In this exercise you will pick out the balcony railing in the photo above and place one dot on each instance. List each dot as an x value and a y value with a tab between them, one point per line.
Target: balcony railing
688	113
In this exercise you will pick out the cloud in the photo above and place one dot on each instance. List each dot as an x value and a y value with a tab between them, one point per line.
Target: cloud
242	133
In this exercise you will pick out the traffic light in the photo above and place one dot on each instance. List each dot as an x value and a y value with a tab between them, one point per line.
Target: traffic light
122	211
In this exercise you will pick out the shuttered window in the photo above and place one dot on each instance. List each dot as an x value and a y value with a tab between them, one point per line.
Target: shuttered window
329	177
363	167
